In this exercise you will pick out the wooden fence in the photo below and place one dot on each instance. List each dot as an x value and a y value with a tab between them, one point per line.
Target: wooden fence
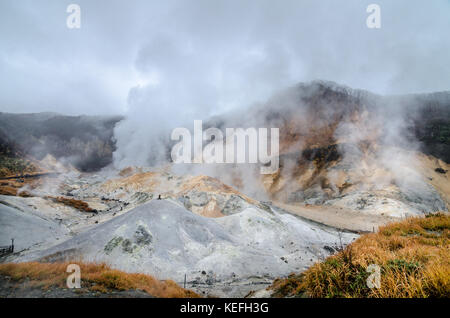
5	250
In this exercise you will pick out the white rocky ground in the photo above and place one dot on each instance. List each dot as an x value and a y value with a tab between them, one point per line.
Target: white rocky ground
222	256
226	243
29	230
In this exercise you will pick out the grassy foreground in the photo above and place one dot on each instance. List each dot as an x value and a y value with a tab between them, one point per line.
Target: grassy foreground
95	277
413	256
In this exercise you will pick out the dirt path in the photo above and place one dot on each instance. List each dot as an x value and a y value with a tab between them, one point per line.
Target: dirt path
344	219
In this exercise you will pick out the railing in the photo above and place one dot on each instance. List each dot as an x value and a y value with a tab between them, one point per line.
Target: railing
5	250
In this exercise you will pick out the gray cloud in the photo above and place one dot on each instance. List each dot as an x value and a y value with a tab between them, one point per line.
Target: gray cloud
164	63
225	52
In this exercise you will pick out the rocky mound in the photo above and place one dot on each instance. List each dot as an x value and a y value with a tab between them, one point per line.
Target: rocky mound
165	240
202	195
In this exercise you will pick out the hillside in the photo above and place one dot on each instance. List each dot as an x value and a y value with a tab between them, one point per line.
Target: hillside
220	256
413	256
83	141
349	148
351	162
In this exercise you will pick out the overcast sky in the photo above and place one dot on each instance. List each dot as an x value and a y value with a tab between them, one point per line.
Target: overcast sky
190	56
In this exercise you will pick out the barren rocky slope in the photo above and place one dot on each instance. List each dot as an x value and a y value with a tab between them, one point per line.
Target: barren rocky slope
351	148
167	241
350	161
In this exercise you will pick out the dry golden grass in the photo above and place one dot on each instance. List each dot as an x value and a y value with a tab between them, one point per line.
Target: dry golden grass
77	204
414	257
96	277
8	189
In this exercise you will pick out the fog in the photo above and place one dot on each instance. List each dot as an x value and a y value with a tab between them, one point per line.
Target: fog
164	64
